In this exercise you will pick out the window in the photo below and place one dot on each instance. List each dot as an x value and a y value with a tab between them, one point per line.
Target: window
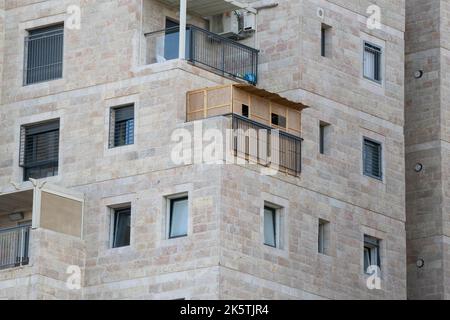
324	137
270	227
372	159
278	120
372	62
39	150
122	126
178	217
44	54
325	43
121	228
324	236
245	111
371	252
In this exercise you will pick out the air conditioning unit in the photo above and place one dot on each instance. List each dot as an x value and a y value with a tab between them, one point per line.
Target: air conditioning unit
249	22
226	24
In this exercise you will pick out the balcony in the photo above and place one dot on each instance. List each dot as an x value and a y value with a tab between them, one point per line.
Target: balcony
266	128
27	208
206	50
14	246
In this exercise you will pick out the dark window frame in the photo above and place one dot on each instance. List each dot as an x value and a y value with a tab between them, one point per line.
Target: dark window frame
323	228
278	120
275	227
117	212
378	61
379	146
245	111
325	40
322	127
370	244
172	201
126	136
39	67
33	137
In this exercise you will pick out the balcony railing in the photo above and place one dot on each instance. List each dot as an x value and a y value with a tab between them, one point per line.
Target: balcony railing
14	247
207	50
261	144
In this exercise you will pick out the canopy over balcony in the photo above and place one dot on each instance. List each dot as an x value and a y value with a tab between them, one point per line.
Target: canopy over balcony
46	206
206	8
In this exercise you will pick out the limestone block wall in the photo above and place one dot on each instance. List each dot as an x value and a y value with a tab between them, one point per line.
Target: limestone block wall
298	265
102	71
46	275
426	133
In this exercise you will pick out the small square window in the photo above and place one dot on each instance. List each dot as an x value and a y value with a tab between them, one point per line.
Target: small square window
373	159
371	252
121	227
372	62
278	120
245	111
122	126
178	217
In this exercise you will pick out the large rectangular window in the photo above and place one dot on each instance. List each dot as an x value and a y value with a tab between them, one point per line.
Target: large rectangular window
178	217
39	150
121	229
122	126
371	252
372	62
44	54
373	159
270	227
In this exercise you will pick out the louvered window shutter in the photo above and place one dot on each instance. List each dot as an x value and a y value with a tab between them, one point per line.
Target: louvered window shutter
372	159
39	151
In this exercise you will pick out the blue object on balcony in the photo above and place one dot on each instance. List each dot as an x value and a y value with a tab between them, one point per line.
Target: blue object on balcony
250	77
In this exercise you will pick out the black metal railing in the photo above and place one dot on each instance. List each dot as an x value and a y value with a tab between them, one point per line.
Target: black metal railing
207	50
14	247
266	146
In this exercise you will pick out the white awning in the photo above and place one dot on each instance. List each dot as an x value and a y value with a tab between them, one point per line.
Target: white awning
206	8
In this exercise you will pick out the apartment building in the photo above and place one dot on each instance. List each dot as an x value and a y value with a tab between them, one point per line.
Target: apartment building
427	149
96	97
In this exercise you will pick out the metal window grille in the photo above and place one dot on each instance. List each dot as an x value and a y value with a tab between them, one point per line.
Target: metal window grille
372	62
14	247
122	126
44	54
248	133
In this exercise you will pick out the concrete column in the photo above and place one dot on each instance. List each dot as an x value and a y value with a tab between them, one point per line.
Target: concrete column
183	13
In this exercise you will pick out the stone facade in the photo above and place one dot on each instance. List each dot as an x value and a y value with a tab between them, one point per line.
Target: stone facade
427	136
224	256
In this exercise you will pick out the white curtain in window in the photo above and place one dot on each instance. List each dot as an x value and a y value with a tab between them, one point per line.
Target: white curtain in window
179	218
270	227
367	255
369	64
